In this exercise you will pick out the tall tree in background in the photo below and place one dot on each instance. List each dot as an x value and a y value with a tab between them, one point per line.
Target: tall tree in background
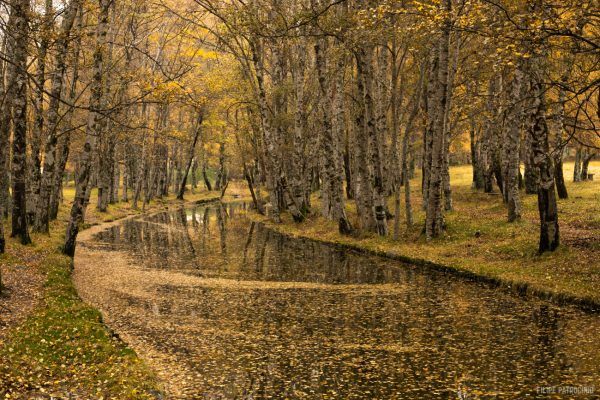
434	222
94	128
513	139
42	216
5	122
64	142
33	184
331	112
547	205
18	91
539	132
184	178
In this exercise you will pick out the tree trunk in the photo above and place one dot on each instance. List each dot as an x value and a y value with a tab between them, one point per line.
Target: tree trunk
248	175
375	147
38	126
395	156
406	146
20	9
348	169
194	174
94	128
106	139
429	109
4	155
115	177
559	176
298	169
448	206
434	222
221	173
478	178
513	139
585	176
364	176
270	150
5	121
332	127
577	170
205	177
126	178
103	171
489	146
531	171
381	100
64	143
549	227
42	216
191	157
143	165
559	151
179	171
2	240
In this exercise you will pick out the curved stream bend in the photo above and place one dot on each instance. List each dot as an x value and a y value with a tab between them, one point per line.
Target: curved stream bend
223	308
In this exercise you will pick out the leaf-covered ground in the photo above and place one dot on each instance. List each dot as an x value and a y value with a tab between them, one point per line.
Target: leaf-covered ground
479	240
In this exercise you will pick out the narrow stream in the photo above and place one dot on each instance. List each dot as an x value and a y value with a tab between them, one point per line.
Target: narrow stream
227	309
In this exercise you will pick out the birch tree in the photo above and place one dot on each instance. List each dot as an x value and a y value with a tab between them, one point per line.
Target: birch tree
93	130
434	223
42	215
18	91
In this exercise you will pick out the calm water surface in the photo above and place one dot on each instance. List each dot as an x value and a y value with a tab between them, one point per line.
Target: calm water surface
272	317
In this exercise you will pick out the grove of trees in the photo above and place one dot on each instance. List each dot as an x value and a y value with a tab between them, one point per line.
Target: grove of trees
140	99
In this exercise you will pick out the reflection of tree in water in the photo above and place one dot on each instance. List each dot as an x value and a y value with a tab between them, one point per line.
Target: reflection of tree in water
205	226
186	233
194	219
260	253
166	240
247	245
221	223
547	337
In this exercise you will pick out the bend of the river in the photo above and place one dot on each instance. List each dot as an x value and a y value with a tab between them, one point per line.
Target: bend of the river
224	308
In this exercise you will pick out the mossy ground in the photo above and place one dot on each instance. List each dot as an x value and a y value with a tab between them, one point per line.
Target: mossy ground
61	348
480	241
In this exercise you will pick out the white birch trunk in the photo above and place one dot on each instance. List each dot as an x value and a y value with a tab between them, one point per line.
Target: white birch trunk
94	128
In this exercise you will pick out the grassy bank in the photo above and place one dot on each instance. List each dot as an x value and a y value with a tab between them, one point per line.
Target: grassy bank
52	343
480	243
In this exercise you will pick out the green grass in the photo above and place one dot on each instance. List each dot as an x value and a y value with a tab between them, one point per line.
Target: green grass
505	252
64	349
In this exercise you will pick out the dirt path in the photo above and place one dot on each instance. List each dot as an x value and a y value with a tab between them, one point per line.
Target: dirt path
98	277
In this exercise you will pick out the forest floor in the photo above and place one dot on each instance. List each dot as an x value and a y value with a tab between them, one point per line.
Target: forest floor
480	243
52	343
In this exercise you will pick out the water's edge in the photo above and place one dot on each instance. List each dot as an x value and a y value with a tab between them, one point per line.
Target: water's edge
520	289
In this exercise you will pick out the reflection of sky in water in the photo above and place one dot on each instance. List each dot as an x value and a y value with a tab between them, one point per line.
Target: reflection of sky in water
273	317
